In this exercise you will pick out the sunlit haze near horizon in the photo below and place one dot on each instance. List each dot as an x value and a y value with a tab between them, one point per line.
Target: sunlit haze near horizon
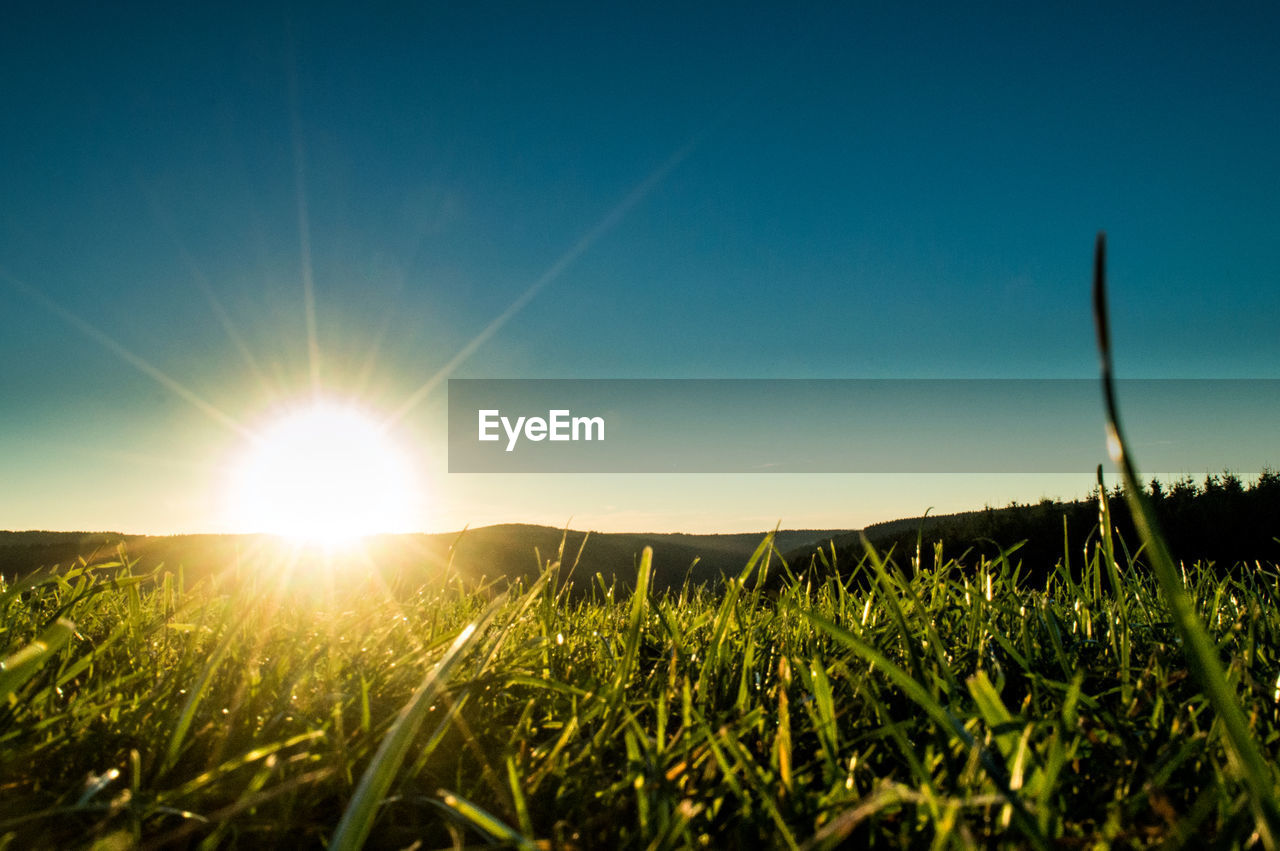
215	216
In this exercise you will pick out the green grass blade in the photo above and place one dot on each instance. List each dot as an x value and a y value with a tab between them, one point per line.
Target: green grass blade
941	716
357	819
1202	654
19	667
494	829
198	692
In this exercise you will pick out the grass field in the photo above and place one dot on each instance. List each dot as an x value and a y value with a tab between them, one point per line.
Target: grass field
958	707
1126	701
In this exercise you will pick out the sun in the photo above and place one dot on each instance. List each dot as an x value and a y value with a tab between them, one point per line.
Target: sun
325	473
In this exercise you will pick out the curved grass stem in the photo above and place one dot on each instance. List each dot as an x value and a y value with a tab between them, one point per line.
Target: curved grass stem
1202	654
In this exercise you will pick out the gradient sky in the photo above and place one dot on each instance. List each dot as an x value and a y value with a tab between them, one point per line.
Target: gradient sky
663	191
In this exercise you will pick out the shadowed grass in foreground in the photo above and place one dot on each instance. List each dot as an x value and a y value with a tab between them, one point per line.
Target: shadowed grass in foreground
959	706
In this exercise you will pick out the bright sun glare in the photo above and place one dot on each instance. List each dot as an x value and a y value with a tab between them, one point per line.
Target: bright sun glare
325	473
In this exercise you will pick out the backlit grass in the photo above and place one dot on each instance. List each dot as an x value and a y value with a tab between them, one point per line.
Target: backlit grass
955	707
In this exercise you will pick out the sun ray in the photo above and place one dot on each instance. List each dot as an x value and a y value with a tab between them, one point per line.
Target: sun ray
304	220
202	283
567	259
365	374
136	361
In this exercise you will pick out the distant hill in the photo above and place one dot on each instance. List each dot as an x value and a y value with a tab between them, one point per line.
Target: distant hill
491	553
1220	520
703	557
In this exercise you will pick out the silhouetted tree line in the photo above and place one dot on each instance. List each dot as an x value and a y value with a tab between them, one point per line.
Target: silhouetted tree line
21	552
1221	520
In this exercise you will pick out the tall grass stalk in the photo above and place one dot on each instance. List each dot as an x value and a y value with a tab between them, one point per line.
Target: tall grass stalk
1202	653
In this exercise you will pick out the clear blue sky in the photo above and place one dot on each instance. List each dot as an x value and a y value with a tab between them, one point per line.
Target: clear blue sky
845	190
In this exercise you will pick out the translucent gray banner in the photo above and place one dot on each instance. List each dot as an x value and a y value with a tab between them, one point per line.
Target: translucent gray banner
854	425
